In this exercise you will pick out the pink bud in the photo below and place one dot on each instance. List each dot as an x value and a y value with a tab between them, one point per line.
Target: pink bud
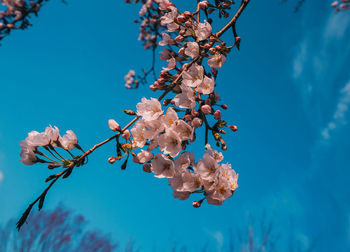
111	160
218	47
217	114
181	18
126	134
179	39
197	122
196	204
224	106
207	101
203	5
182	51
113	125
334	4
206	109
212	50
187	13
146	168
233	127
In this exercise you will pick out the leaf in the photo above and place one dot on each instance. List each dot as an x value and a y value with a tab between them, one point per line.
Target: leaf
41	201
68	173
123	167
23	218
51	177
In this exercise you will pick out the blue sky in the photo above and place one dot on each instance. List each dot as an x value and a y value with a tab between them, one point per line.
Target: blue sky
288	90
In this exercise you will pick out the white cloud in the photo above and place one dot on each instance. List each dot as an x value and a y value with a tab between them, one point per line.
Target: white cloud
218	237
338	118
1	176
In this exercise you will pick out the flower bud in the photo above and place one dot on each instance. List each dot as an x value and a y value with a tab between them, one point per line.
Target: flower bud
113	125
212	50
181	19
196	122
203	5
146	168
179	39
126	134
233	127
187	13
218	47
217	114
334	4
196	204
206	109
224	106
111	160
207	101
182	51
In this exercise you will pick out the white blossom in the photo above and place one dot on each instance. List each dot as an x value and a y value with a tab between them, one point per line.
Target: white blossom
138	134
170	143
170	117
167	40
168	20
184	130
69	140
165	54
37	139
149	109
162	167
184	161
143	157
153	128
203	31
181	195
207	167
206	86
186	99
192	49
216	61
214	153
163	4
53	134
194	76
171	64
27	154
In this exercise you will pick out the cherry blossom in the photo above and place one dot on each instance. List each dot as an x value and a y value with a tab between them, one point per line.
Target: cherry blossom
216	60
192	49
149	109
162	167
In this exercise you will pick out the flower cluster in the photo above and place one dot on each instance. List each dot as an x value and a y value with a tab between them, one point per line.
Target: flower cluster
341	5
16	14
163	129
193	54
49	140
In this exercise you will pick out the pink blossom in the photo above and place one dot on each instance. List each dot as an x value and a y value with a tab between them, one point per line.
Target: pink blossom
149	109
216	61
162	167
192	49
206	109
203	31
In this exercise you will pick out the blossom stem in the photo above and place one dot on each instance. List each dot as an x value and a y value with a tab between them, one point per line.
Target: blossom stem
53	148
48	149
234	19
42	154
